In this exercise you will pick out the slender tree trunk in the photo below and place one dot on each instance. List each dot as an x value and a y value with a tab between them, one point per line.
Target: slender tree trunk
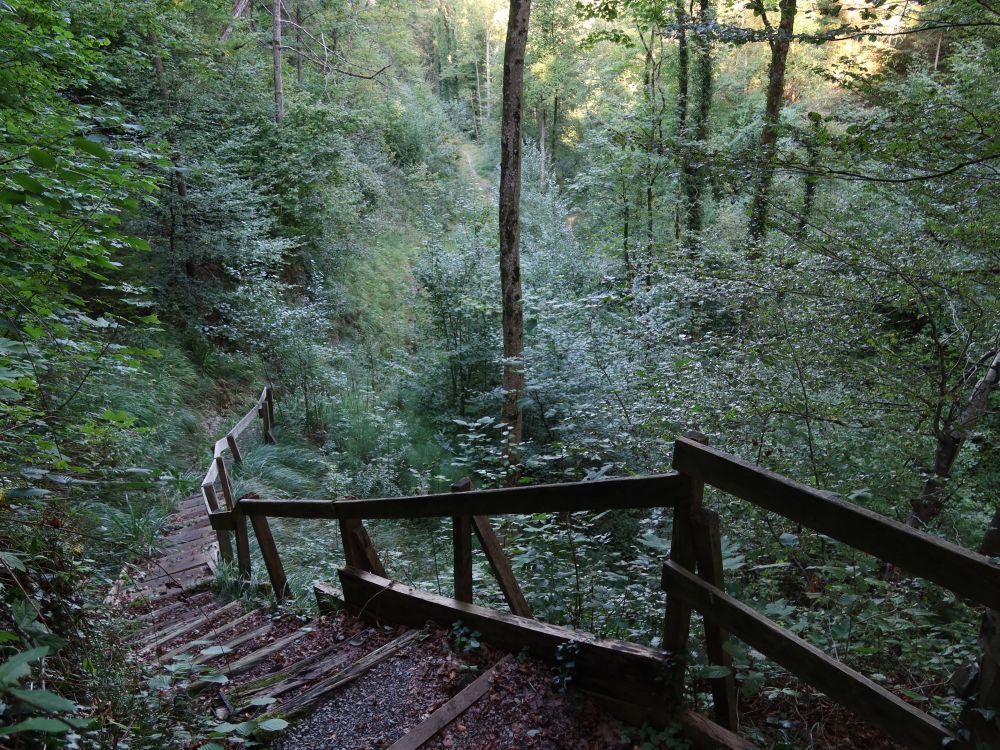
510	227
779	42
552	140
810	181
479	103
682	215
704	83
298	45
542	127
279	91
489	71
928	504
239	8
629	273
168	110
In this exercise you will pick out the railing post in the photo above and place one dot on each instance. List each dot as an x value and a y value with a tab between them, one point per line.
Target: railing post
234	448
269	551
983	719
461	534
269	399
677	623
359	552
240	521
708	552
225	544
266	413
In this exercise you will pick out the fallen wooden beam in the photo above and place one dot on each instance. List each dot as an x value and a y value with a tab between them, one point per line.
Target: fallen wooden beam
622	670
447	713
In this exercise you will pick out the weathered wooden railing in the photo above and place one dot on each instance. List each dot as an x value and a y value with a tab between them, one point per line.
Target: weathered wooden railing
645	682
230	518
971	575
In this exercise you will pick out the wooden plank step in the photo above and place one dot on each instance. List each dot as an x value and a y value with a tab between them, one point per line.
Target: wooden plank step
314	667
188	534
187	627
228	625
184	580
239	641
309	668
179	554
192	501
639	673
179	567
181	616
321	689
256	657
157	615
447	713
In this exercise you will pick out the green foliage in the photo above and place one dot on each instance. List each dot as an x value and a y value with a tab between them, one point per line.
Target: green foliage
463	638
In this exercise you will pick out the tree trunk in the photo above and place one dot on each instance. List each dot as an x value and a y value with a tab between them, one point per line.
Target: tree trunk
682	215
479	103
168	110
703	81
489	70
510	228
927	505
279	91
779	42
542	127
552	140
810	181
298	45
629	273
239	8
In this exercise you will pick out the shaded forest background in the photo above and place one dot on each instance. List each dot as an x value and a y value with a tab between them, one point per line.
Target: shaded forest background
774	224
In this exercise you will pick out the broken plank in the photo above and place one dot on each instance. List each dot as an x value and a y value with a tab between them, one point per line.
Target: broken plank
447	713
256	657
187	627
239	640
228	625
324	687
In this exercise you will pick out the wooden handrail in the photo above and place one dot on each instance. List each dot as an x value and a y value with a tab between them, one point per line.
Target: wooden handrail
967	573
658	491
910	726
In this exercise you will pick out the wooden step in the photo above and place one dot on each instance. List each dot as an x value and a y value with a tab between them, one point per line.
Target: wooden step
256	657
187	627
239	640
307	670
324	687
228	625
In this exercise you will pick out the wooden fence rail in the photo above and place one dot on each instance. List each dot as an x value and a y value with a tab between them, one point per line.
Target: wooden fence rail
232	518
692	577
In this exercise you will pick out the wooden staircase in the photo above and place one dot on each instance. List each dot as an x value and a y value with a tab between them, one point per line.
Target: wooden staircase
343	681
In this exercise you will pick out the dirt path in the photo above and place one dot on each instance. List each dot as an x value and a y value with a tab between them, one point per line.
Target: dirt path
470	153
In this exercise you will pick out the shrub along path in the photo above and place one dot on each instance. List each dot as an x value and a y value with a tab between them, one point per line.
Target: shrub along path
343	682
